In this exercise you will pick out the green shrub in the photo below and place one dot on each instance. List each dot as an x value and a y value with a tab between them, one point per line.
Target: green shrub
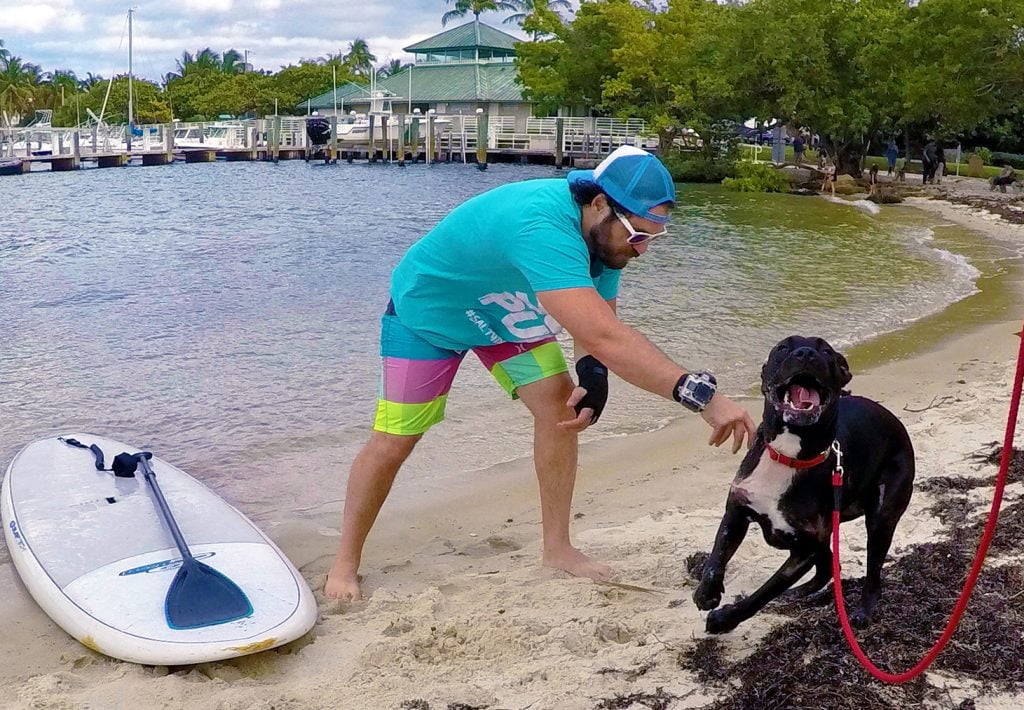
757	177
693	167
1000	159
985	154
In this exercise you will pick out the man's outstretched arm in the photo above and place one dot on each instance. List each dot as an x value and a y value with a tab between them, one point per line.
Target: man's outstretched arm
634	358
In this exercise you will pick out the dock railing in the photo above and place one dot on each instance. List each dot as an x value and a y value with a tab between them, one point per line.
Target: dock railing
457	137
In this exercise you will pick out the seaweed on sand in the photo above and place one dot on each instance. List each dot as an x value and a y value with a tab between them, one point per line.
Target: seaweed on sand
805	661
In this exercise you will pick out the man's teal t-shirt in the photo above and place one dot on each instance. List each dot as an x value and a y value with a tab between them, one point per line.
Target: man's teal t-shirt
473	279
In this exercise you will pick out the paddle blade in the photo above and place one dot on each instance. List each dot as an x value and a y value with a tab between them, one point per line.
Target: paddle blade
201	596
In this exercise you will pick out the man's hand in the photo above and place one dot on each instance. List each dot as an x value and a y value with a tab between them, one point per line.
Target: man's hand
583	417
728	419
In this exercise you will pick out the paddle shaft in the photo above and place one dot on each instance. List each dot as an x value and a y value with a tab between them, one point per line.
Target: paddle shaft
161	504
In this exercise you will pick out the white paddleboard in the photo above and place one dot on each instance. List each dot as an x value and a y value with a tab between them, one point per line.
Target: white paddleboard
96	555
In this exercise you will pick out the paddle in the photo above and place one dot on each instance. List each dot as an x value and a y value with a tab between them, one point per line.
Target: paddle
199	595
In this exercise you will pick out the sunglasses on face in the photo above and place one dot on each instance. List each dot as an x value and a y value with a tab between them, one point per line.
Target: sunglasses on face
636	236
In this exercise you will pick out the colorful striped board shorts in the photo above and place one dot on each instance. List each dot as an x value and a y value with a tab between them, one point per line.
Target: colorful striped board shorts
416	376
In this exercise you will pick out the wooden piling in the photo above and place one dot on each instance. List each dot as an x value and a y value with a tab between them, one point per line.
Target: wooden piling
276	149
481	140
559	142
372	147
428	145
401	141
333	150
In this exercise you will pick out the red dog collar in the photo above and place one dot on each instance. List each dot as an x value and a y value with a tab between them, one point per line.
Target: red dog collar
796	463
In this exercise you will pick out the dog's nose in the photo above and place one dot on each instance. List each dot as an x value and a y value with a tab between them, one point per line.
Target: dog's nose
804	353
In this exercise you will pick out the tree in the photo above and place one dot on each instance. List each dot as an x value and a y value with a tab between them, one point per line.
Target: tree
965	63
359	59
239	94
528	8
3	52
148	103
89	81
297	83
204	61
185	93
18	83
673	70
841	74
232	62
464	7
395	66
571	66
56	88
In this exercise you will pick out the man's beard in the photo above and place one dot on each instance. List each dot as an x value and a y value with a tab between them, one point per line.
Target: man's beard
600	236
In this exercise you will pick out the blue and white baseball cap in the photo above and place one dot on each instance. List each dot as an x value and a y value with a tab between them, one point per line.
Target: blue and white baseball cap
634	178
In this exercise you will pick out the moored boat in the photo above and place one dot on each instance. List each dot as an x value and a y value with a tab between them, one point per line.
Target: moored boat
11	166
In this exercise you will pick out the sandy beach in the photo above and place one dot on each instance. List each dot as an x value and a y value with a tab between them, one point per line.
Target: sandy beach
461	615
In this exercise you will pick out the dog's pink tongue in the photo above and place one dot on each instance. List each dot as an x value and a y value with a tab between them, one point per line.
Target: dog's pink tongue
803	398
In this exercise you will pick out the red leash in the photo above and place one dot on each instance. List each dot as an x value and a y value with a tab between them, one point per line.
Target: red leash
979	558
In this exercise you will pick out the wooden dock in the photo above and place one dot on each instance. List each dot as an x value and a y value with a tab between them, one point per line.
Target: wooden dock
478	139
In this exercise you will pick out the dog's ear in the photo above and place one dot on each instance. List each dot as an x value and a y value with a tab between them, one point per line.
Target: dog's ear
842	368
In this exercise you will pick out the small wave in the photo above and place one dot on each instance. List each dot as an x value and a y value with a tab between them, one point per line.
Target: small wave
86	298
863	205
962	267
922	235
867	206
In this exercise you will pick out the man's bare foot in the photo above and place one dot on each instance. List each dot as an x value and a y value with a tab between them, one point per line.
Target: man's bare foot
571	560
343	585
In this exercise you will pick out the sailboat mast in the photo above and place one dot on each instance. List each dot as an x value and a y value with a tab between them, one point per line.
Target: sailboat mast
131	120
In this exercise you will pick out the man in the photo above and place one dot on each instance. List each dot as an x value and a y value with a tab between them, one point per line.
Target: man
798	148
928	162
501	275
1007	177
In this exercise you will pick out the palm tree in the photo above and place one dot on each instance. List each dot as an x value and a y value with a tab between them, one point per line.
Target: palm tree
18	83
56	88
3	52
462	7
359	59
393	67
92	80
529	7
232	62
204	60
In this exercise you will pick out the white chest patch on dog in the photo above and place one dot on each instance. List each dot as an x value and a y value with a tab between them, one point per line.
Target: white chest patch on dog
769	480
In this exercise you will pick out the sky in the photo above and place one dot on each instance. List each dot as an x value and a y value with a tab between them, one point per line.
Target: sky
90	35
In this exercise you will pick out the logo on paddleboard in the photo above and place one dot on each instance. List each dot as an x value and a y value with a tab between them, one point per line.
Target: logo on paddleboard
162	566
17	536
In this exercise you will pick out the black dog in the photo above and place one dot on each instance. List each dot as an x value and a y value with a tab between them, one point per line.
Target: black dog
785	480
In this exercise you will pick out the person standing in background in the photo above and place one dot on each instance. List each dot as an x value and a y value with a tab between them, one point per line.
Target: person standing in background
799	144
892	153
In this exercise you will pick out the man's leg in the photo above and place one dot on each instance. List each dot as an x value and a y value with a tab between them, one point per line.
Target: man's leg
415	379
369	482
555	456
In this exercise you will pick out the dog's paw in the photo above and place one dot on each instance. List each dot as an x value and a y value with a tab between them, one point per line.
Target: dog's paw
708	594
860	619
720	621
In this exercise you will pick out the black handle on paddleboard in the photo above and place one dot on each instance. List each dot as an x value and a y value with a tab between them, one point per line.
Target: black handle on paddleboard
161	503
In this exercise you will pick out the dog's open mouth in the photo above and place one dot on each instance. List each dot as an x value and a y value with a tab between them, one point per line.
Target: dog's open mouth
800	399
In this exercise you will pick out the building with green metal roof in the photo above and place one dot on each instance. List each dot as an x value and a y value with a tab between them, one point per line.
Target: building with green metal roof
458	71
